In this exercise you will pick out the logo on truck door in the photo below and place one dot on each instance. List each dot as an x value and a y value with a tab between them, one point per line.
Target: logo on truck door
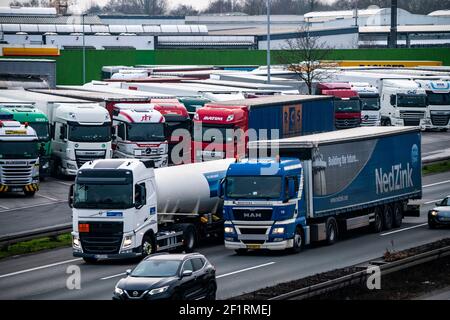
292	120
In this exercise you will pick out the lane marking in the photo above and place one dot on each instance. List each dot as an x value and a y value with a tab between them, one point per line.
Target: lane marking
34	206
404	229
39	268
435	184
243	270
432	201
64	183
47	197
114	276
4	207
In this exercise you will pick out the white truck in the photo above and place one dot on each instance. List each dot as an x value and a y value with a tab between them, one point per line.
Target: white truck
438	98
19	157
403	103
125	208
139	132
370	103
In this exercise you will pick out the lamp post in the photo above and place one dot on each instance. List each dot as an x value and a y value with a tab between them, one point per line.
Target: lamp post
268	40
84	50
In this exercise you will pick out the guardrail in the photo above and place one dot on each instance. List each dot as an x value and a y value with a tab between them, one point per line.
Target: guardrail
361	276
52	231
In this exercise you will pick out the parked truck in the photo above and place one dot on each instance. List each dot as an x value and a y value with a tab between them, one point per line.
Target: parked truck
222	130
124	208
316	187
438	100
19	157
370	103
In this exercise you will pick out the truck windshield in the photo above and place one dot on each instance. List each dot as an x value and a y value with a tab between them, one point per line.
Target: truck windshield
145	132
156	268
438	99
83	133
347	106
213	134
411	100
370	104
18	150
101	196
42	130
258	187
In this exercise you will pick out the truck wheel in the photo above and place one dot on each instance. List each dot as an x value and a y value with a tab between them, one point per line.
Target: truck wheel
377	224
29	193
332	230
397	215
240	252
388	217
189	239
90	260
299	240
148	245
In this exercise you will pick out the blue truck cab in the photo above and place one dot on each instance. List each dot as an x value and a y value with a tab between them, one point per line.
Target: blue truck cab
263	204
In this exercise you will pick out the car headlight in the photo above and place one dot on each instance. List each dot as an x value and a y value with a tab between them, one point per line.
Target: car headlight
76	244
279	230
434	213
128	241
229	230
118	291
158	290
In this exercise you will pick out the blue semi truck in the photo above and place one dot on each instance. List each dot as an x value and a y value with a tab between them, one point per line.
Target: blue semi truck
313	188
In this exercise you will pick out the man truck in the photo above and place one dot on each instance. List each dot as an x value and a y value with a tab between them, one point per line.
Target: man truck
125	208
317	187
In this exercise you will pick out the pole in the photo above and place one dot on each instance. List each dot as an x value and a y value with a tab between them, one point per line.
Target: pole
84	52
393	33
268	40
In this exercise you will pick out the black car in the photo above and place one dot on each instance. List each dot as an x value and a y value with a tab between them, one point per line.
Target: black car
169	276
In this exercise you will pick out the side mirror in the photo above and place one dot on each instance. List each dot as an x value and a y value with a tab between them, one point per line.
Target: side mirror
186	273
128	272
393	100
70	198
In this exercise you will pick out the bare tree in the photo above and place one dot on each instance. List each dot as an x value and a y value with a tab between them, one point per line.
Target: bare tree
184	10
150	7
303	55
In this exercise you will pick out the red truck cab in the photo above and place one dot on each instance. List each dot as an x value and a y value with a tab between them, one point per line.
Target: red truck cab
219	132
347	106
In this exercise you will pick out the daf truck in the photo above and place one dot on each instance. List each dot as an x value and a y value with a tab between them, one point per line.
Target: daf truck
125	208
438	100
317	187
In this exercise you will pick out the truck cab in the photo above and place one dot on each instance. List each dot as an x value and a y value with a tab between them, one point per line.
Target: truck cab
347	105
370	103
19	157
140	132
263	204
438	99
403	103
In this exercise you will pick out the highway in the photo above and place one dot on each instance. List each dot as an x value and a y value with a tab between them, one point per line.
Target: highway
43	275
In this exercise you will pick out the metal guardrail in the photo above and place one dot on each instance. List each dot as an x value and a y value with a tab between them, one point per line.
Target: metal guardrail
52	231
361	276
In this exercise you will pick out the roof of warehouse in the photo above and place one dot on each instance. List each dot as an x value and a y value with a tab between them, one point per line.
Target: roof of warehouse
271	100
48	20
409	28
346	135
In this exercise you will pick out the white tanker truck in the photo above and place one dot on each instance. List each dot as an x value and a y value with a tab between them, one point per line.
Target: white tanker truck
125	208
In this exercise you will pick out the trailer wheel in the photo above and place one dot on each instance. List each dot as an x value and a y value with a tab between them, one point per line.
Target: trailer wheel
397	215
299	240
332	230
148	245
388	217
377	224
189	240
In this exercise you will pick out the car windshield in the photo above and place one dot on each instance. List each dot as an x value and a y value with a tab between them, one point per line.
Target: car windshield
411	100
156	268
42	130
145	132
437	99
347	106
213	134
258	187
370	104
82	133
101	196
18	150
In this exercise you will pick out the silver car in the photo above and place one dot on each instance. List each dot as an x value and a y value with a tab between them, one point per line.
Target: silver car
440	215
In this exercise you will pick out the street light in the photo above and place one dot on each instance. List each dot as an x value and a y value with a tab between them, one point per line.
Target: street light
268	40
84	50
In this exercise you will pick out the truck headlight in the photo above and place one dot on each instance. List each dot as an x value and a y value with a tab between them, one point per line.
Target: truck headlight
76	244
128	241
279	230
118	291
71	166
158	290
45	165
434	213
229	230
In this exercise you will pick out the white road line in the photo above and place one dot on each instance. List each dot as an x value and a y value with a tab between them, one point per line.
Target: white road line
3	207
404	229
39	268
64	183
435	184
47	197
114	276
243	270
432	201
33	206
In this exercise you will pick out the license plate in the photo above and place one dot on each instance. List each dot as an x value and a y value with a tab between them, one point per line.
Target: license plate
101	256
253	246
16	189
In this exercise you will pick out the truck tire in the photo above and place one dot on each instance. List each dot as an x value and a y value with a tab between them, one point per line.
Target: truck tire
332	230
29	193
377	224
148	245
189	239
397	215
90	260
299	240
388	217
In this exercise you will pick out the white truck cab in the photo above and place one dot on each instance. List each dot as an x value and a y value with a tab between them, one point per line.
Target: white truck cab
370	103
403	103
438	98
140	132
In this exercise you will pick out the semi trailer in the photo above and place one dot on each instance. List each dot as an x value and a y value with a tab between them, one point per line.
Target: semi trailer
125	208
316	187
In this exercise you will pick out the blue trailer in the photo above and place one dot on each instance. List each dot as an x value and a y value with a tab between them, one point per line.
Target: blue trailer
321	185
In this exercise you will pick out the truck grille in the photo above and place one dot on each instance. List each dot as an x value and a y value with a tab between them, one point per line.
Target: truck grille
83	156
252	214
412	118
369	121
347	123
102	238
439	120
16	174
253	230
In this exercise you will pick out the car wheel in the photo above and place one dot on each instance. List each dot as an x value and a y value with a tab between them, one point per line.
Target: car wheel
211	291
299	240
148	245
387	217
332	230
90	260
397	215
377	224
240	252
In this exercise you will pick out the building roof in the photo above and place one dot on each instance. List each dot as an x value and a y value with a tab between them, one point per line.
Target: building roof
407	29
35	19
440	13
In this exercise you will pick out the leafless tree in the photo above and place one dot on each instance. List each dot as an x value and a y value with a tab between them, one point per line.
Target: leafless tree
184	10
304	55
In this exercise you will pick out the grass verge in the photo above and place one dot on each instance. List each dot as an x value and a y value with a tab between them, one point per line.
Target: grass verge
436	167
64	240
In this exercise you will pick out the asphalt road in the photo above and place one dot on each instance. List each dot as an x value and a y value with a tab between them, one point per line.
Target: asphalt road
44	275
49	206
